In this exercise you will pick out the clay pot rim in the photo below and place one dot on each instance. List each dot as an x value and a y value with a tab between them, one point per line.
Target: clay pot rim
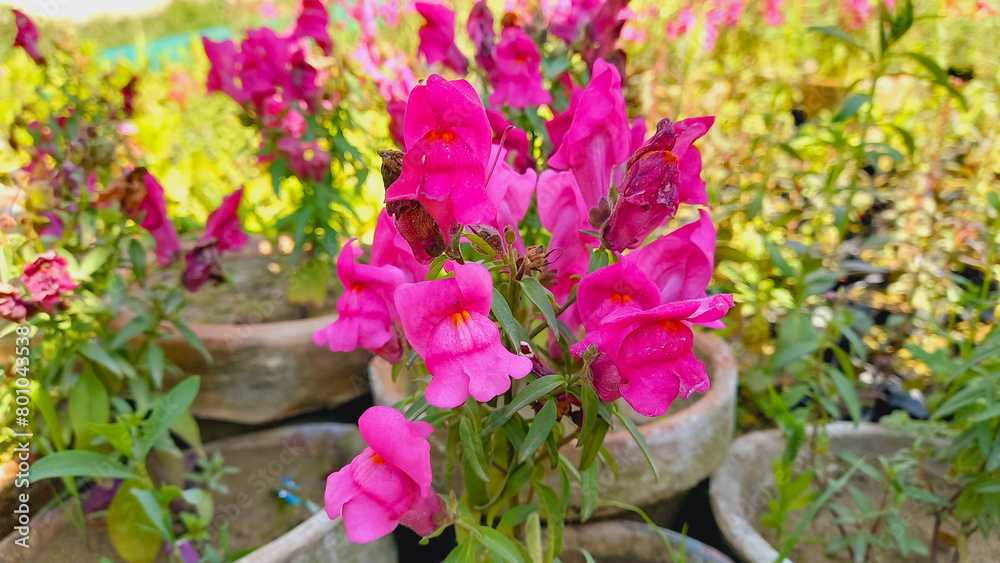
726	489
693	546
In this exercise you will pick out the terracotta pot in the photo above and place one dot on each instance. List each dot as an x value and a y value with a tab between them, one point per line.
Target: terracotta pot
306	454
688	444
738	487
261	371
620	541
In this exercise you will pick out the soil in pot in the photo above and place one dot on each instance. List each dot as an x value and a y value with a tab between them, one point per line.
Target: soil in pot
255	291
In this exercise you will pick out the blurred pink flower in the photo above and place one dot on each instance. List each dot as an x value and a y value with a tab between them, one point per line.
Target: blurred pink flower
855	13
598	137
447	138
511	192
396	110
47	280
389	483
774	15
447	322
366	313
153	210
268	10
560	122
564	213
480	30
517	80
315	168
684	21
222	75
312	22
223	233
13	306
437	37
516	143
27	37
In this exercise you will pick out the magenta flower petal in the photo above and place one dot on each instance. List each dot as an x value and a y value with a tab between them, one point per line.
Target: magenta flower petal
366	311
47	279
391	249
437	37
516	143
27	37
517	80
224	225
366	520
453	106
618	286
222	76
480	30
563	213
400	442
680	263
157	222
423	518
692	186
312	22
510	192
598	137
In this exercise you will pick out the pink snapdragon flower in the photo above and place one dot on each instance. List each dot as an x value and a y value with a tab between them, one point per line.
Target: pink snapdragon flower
222	76
517	80
447	322
598	137
391	249
511	192
646	356
619	286
47	280
312	22
437	37
153	210
560	122
314	169
396	110
564	213
680	264
480	30
651	189
389	483
447	138
680	25
27	37
13	306
636	140
223	233
855	13
773	14
516	142
366	311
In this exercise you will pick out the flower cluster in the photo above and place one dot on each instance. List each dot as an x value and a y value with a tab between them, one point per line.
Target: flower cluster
47	282
625	299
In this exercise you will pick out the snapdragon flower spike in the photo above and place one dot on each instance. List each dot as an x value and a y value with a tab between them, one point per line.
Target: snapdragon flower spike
389	483
27	37
437	37
312	22
646	356
391	249
157	222
517	80
648	193
222	76
447	322
447	137
681	262
480	30
366	310
47	280
598	137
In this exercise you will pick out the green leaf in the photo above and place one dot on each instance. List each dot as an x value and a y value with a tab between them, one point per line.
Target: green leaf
542	298
814	509
473	449
88	402
130	529
591	444
78	463
531	393
516	515
134	328
589	485
463	553
187	428
851	107
780	262
901	23
137	255
501	310
501	546
152	509
538	430
849	395
193	339
841	35
167	410
793	352
640	440
156	361
99	355
117	435
93	260
555	518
